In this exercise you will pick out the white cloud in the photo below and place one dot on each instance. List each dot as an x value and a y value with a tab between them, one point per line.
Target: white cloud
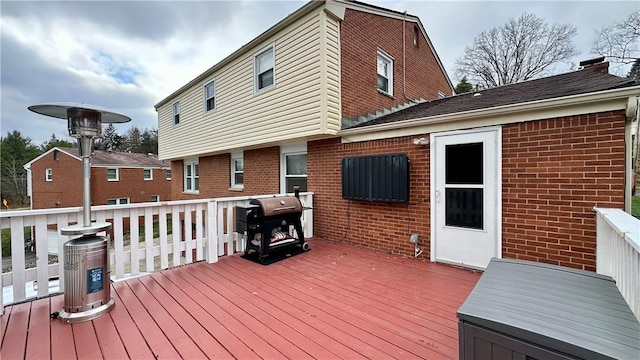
129	55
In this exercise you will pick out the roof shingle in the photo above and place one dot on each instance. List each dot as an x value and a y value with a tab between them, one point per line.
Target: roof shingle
123	159
590	79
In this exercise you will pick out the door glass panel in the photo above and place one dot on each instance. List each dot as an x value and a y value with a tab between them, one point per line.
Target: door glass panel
464	164
464	208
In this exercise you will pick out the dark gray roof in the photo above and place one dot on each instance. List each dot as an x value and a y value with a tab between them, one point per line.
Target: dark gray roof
577	312
122	159
590	79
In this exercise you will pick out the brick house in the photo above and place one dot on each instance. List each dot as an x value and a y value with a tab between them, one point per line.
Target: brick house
513	171
55	178
242	127
526	162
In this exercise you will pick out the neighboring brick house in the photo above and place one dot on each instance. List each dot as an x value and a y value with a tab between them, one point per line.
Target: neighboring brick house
241	127
512	171
55	178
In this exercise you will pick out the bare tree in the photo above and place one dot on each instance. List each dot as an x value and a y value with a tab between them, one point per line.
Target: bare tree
519	50
620	42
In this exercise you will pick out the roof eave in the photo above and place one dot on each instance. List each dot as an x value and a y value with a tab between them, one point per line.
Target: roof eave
497	111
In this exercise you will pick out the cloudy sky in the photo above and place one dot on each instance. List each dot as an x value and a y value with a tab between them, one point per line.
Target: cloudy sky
127	56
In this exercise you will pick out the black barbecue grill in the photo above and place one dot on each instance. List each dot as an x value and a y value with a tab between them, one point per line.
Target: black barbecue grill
271	224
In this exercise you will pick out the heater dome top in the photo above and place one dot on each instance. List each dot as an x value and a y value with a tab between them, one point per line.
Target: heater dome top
59	110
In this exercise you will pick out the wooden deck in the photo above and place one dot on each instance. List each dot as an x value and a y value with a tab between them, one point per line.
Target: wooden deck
336	301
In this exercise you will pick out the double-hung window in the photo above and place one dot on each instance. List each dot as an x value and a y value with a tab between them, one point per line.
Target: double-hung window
48	174
264	69
385	73
191	176
112	174
294	167
176	112
209	96
237	171
168	174
148	174
120	201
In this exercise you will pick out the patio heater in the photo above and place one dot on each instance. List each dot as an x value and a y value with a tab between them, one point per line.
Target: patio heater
87	287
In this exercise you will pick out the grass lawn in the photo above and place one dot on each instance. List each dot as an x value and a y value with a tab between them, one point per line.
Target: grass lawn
635	206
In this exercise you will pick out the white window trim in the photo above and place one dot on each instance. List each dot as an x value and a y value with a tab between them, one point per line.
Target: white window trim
157	198
117	174
386	58
48	174
234	157
294	149
150	174
255	68
204	92
170	174
192	161
173	111
441	94
118	200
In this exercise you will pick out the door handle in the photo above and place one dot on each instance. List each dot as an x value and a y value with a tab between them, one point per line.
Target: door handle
437	196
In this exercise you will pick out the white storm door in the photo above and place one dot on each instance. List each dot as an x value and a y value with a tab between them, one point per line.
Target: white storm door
465	194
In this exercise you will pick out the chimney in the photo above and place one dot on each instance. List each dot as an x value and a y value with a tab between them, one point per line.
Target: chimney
596	64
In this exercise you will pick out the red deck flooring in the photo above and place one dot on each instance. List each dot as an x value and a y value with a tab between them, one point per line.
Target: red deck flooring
336	301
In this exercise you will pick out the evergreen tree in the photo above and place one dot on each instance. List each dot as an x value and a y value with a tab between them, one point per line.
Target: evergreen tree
634	72
110	140
55	142
463	86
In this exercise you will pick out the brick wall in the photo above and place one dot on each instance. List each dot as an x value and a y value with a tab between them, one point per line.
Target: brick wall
361	36
375	225
65	190
67	175
131	184
554	172
261	175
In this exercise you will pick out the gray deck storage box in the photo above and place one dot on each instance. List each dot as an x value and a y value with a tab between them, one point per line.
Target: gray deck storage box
526	310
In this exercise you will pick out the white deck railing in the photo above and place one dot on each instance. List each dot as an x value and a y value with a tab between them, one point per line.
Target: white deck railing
618	252
209	238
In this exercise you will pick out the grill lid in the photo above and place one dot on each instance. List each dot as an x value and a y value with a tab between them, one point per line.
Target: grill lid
279	205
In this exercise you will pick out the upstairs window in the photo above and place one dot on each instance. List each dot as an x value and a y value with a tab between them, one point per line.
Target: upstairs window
148	174
168	174
385	73
416	35
155	198
191	176
441	94
112	174
176	113
209	96
264	69
237	170
48	174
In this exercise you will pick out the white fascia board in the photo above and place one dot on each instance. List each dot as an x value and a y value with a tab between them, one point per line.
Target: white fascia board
607	100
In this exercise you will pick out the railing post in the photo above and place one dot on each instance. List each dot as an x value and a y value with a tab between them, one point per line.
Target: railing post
604	245
212	232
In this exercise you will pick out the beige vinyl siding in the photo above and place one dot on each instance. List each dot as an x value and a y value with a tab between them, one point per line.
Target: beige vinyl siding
243	119
334	111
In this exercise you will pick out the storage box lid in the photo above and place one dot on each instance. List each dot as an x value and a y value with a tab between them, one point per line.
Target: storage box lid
576	312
